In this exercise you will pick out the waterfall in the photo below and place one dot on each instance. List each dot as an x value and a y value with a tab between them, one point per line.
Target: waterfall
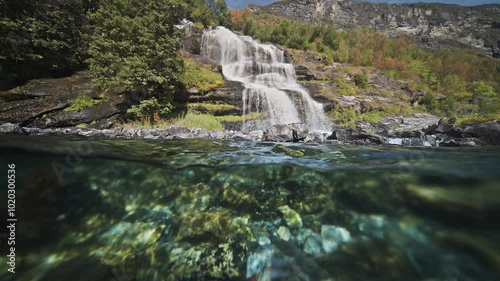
271	89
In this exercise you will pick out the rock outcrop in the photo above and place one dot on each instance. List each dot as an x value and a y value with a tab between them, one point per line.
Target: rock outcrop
44	103
432	24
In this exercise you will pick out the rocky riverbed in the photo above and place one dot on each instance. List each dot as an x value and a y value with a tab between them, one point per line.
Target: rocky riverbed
197	210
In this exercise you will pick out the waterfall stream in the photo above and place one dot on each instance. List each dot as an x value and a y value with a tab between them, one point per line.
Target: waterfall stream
271	89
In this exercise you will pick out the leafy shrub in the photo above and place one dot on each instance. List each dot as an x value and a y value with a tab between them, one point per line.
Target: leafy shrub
42	38
149	109
361	80
82	102
430	102
134	46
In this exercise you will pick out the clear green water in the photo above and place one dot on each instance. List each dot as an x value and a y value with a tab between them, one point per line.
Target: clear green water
204	210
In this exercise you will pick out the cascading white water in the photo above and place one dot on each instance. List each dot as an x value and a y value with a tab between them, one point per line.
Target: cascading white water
271	87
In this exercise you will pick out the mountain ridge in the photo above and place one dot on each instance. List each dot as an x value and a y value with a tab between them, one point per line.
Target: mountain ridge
433	25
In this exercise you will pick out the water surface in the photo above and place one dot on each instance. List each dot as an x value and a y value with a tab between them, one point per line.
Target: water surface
209	210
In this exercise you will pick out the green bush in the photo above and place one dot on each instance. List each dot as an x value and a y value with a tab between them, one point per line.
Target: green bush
134	46
361	80
42	38
430	102
150	109
82	102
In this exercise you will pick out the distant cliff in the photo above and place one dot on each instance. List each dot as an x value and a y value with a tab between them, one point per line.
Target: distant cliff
432	24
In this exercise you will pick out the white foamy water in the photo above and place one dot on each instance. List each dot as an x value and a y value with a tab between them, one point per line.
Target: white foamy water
270	84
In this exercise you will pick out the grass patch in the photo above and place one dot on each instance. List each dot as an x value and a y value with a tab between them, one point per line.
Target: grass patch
82	102
200	76
190	120
203	121
211	108
478	118
237	118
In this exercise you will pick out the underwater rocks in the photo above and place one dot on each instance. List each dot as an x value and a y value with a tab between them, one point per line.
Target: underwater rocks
292	218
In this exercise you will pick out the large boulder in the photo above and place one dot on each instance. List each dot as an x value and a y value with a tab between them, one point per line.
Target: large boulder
192	37
356	136
9	128
488	133
42	103
292	132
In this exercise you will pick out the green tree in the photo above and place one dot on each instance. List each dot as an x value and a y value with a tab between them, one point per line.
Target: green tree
134	46
209	12
41	38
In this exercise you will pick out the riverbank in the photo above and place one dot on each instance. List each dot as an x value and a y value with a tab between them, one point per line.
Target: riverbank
417	130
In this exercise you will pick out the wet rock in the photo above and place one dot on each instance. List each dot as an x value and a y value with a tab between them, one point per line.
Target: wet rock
9	128
41	103
478	244
375	260
238	199
286	133
284	233
310	193
312	244
288	151
299	131
417	121
292	218
206	225
356	136
174	130
258	261
198	133
256	135
194	199
333	236
192	36
279	133
303	73
488	132
205	261
315	137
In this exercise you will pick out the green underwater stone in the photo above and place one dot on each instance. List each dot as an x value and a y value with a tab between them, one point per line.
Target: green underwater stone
292	218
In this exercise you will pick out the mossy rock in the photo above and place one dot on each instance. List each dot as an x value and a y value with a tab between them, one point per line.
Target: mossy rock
194	199
238	200
208	225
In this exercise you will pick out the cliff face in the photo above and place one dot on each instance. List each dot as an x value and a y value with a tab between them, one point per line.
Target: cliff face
432	24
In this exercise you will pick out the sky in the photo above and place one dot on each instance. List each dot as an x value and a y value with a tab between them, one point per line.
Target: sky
240	4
